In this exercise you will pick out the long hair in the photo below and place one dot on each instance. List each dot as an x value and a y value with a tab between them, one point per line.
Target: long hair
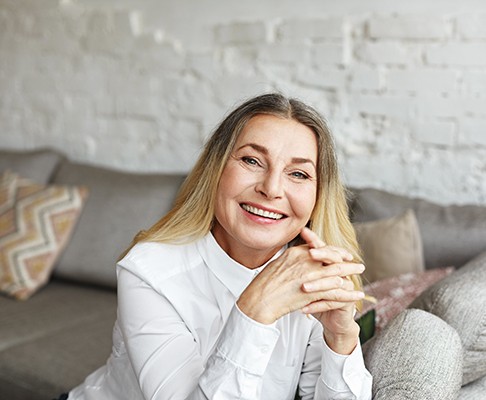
193	212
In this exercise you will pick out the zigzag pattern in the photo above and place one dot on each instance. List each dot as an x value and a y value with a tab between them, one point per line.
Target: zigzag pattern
35	224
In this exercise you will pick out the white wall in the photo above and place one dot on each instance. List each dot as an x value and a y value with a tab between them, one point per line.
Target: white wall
138	85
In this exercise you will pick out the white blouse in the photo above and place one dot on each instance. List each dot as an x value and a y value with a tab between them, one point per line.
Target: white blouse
180	335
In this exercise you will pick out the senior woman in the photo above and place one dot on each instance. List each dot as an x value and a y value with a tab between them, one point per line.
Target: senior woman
247	288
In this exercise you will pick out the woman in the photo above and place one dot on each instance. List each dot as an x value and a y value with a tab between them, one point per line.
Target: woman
233	294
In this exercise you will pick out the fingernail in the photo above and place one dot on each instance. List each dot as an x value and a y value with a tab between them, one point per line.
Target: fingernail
361	268
360	295
308	287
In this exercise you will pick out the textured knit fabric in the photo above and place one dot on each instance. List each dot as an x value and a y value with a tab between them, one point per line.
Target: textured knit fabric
460	300
474	391
417	356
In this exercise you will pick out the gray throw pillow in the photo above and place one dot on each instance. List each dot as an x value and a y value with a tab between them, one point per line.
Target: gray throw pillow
460	300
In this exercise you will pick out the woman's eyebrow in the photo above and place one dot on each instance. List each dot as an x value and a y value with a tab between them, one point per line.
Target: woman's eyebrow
264	150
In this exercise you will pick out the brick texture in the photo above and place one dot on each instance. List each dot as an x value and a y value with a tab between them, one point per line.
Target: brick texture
139	85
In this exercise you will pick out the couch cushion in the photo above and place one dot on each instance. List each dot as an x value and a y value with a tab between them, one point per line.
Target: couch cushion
460	300
36	222
451	235
52	342
120	205
407	359
38	165
390	246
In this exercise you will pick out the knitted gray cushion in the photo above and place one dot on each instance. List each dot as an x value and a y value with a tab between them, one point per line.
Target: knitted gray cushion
417	356
474	391
460	300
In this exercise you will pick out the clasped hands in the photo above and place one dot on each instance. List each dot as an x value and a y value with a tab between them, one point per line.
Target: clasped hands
313	278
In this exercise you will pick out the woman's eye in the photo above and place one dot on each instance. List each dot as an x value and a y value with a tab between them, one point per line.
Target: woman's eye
299	175
250	160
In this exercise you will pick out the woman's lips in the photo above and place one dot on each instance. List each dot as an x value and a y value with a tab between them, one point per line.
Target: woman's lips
262	212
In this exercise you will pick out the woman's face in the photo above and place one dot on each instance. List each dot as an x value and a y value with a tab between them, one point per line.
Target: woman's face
267	189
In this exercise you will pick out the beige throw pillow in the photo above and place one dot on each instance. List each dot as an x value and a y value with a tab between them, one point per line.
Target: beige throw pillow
36	222
390	246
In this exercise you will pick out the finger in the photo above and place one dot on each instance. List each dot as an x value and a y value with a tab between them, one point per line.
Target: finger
340	295
336	269
323	306
323	284
331	253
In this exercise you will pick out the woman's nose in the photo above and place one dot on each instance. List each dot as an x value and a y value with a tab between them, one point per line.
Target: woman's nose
271	185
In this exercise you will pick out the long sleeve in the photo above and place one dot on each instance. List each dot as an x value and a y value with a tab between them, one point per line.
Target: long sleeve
328	375
166	358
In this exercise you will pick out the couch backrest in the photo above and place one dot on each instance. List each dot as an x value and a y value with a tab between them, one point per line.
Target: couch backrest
37	165
119	205
451	235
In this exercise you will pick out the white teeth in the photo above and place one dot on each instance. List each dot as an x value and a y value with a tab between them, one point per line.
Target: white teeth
262	213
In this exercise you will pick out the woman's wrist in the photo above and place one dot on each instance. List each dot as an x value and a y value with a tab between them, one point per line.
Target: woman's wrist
343	343
254	310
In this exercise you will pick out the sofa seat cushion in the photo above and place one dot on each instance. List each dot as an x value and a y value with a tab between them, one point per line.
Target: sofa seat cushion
38	165
120	204
460	300
52	342
451	235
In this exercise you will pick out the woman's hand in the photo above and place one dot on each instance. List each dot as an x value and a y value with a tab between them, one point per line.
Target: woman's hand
340	330
312	276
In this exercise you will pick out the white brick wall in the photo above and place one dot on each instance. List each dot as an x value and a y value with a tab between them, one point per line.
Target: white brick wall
139	85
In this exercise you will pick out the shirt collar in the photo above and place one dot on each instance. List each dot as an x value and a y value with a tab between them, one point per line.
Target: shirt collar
235	276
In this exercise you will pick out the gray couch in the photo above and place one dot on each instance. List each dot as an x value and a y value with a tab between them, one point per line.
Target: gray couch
50	342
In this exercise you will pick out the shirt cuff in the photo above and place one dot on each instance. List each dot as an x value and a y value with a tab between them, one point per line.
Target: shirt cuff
343	372
247	343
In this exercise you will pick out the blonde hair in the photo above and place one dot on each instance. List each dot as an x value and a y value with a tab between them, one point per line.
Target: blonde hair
192	215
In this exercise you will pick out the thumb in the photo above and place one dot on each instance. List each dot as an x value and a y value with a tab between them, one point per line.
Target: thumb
311	238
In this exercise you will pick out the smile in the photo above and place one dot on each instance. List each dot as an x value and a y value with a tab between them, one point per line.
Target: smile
262	213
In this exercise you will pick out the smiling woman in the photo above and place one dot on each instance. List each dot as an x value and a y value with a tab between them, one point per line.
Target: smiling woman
268	189
247	287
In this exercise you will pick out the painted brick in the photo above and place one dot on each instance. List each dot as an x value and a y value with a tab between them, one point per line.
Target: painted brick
422	80
329	53
473	132
240	59
434	105
471	26
110	84
284	53
331	78
408	27
387	52
458	53
474	82
365	78
436	132
297	31
241	32
474	106
391	106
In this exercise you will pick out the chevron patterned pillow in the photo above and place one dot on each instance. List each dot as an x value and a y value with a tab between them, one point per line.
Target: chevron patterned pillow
36	222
